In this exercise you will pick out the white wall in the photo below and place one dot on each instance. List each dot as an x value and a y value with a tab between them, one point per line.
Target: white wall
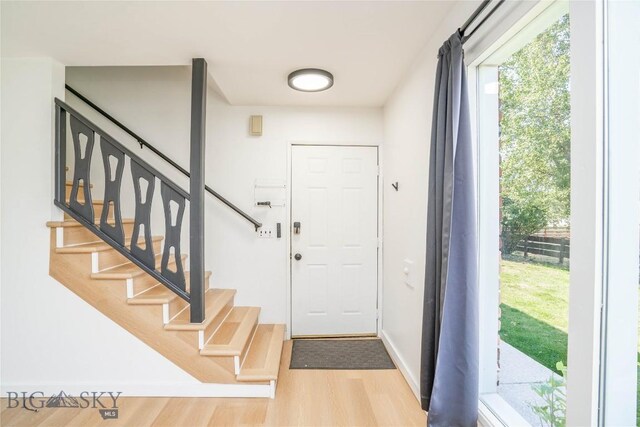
405	154
155	103
50	337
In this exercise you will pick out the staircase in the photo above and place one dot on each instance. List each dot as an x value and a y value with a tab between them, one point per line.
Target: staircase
137	279
229	346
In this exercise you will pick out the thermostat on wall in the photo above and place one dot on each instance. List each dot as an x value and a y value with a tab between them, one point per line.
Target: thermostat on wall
255	125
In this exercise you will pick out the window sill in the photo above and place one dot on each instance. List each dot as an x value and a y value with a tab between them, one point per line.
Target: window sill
494	411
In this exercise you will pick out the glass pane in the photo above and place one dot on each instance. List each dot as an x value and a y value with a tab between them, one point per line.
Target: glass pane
535	236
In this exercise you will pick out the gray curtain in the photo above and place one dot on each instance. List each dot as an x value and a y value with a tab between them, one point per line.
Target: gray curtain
449	365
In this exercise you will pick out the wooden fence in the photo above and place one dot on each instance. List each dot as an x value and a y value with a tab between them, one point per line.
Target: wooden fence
556	247
554	232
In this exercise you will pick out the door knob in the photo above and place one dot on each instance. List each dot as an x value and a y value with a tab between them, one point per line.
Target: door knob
298	257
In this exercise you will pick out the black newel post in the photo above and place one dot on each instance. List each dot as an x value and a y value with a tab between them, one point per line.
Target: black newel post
196	186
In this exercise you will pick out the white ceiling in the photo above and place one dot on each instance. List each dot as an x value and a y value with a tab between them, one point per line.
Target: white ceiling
250	46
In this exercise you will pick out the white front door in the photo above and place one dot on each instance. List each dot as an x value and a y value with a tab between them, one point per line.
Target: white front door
334	265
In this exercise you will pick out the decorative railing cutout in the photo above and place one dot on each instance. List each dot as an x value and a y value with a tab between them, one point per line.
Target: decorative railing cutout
110	227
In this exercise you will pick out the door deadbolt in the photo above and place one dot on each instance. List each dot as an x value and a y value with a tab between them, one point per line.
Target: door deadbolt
296	227
298	257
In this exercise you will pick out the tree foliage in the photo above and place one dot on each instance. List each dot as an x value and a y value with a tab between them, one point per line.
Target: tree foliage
535	135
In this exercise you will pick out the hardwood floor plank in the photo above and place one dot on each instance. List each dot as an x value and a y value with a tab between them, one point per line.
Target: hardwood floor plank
175	412
303	398
242	412
135	411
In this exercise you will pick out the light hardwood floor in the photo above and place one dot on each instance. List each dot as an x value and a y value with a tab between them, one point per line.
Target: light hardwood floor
303	398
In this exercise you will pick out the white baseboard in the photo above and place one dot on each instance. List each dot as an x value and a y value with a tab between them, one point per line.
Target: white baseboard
486	417
400	363
149	390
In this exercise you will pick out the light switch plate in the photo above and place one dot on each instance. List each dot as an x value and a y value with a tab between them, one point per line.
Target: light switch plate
408	272
266	232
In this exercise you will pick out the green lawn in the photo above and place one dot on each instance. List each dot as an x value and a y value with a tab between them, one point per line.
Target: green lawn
535	304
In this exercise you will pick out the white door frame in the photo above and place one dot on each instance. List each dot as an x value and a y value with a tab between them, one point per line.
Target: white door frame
287	225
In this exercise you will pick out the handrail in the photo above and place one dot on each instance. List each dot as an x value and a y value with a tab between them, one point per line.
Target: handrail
113	232
95	128
163	156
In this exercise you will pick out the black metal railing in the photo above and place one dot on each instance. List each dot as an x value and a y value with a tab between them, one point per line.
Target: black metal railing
84	137
143	143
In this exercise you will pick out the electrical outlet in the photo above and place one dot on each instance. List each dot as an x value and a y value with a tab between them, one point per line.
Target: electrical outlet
266	232
407	270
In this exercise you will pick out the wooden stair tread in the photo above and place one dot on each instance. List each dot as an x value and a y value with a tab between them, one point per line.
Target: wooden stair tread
74	223
232	336
98	246
122	271
98	204
160	294
95	202
215	301
128	270
70	184
263	359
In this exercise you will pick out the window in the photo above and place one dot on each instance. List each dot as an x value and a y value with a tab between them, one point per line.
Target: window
525	130
603	329
534	146
559	307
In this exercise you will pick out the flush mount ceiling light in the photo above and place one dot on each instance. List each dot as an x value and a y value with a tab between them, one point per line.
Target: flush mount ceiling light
310	80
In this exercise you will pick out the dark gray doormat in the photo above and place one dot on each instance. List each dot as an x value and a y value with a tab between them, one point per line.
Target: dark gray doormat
340	354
